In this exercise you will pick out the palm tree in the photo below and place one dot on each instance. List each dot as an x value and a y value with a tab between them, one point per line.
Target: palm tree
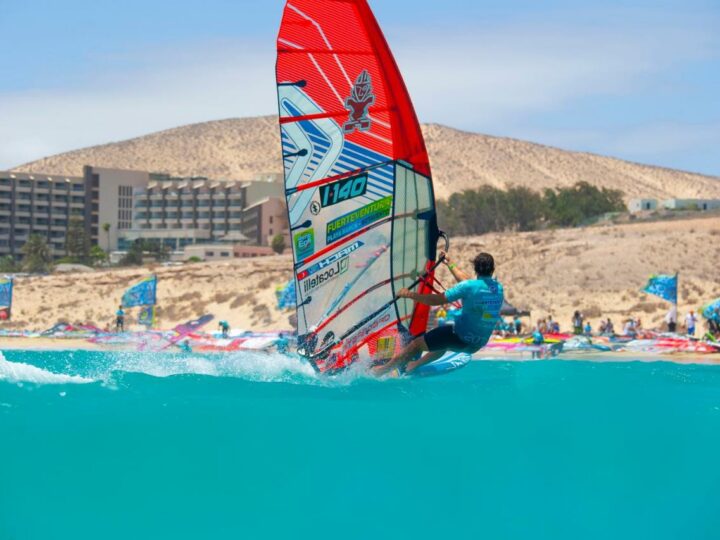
278	244
37	254
106	230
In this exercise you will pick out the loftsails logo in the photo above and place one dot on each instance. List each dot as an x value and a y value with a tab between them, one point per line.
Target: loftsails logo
358	103
326	276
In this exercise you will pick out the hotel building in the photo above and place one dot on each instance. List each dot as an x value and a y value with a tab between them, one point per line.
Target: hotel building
138	205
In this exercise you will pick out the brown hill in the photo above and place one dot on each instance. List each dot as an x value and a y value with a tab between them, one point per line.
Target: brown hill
241	148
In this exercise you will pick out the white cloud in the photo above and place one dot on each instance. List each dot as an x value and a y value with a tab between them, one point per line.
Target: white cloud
482	79
170	90
490	78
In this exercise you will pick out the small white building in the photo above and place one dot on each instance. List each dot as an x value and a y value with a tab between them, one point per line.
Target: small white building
210	252
642	205
702	205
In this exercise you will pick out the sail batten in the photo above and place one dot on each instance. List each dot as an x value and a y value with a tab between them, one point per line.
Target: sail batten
358	184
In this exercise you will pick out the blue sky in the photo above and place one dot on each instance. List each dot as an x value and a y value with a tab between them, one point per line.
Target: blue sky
638	80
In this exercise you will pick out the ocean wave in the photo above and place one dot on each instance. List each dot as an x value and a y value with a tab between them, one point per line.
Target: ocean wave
257	367
18	373
108	368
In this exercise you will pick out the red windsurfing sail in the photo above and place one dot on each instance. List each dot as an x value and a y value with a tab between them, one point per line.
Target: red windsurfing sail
358	184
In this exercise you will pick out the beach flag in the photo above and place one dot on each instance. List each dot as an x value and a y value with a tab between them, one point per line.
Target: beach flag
141	294
147	316
712	311
663	286
6	297
287	298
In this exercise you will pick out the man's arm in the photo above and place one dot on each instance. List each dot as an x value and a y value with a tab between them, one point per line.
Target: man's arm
457	273
427	299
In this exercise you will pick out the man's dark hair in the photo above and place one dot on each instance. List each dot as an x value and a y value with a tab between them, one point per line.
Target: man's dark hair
484	265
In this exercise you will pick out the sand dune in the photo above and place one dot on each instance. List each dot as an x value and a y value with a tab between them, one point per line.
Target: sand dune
599	270
241	148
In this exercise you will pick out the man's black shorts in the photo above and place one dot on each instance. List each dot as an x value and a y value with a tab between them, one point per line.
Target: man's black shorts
443	338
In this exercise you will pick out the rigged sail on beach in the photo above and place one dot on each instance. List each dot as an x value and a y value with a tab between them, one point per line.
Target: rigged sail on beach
358	184
6	297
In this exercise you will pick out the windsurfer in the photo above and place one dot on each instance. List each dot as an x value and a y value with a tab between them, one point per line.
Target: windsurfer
482	300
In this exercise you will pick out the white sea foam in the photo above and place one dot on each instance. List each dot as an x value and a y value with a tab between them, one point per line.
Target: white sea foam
254	366
250	366
16	372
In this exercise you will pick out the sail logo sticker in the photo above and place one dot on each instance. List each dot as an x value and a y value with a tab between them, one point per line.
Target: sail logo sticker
326	276
358	103
357	219
304	244
385	348
350	343
342	254
342	191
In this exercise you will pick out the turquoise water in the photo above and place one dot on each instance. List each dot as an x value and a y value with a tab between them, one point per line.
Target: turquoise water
253	447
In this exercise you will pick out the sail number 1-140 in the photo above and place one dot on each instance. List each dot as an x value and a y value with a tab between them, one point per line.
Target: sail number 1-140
344	190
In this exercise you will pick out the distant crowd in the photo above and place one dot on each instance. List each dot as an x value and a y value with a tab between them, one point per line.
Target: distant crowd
631	327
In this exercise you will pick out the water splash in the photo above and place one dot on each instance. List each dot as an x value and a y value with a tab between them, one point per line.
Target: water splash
19	373
106	367
252	366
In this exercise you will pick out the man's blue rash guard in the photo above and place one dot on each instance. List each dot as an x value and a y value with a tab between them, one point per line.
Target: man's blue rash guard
482	301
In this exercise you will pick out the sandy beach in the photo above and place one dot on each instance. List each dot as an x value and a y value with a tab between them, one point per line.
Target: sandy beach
598	270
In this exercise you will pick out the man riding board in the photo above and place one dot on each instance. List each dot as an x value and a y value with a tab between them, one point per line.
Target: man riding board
482	301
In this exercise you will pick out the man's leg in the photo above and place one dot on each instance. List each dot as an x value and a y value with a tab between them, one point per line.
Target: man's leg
416	346
426	359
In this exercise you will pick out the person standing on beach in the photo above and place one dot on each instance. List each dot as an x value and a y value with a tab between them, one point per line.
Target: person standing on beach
690	323
671	319
441	316
577	323
517	323
120	320
224	328
482	300
609	328
630	329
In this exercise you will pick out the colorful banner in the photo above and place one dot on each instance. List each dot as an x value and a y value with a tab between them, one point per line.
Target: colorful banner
663	286
141	294
147	316
287	297
6	292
